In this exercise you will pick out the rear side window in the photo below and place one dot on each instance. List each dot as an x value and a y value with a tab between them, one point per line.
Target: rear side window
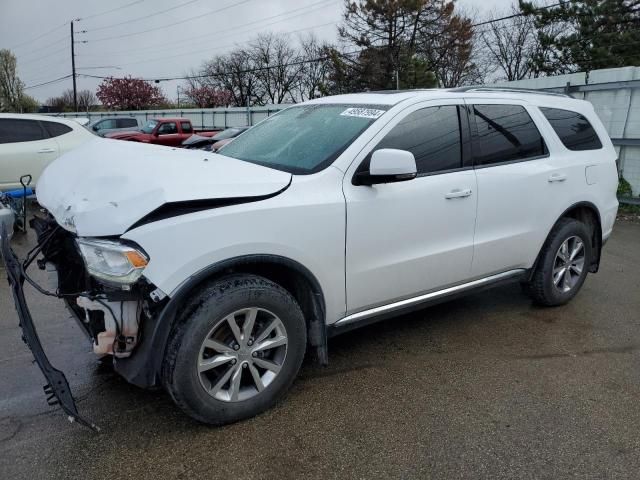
14	130
574	129
186	127
127	122
505	133
433	136
105	124
56	129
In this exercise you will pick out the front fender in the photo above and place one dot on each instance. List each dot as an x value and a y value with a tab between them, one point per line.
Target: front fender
144	368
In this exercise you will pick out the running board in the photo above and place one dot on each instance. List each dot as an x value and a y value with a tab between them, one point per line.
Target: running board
403	306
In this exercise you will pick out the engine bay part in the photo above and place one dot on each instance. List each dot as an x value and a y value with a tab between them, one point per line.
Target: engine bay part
114	325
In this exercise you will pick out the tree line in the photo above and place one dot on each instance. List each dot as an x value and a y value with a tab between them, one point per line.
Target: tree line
389	44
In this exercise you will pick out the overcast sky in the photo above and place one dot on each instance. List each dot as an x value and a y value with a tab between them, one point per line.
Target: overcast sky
154	38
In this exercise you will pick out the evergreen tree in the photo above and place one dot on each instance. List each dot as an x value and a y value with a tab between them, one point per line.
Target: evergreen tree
584	35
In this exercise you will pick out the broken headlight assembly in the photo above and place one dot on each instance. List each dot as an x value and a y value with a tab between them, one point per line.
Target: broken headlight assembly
113	262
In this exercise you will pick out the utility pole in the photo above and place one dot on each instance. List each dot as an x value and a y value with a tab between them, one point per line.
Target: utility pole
73	71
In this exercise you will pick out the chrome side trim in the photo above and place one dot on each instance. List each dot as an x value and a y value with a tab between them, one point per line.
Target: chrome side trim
372	312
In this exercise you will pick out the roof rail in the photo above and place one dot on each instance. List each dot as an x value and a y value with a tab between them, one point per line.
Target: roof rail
508	90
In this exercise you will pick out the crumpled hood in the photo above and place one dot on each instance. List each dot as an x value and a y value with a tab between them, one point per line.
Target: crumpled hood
105	186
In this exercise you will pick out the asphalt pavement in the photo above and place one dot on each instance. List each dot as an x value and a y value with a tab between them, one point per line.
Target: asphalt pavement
488	386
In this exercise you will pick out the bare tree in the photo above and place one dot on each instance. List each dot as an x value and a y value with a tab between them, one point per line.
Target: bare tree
86	100
509	45
64	103
11	87
236	74
315	70
277	67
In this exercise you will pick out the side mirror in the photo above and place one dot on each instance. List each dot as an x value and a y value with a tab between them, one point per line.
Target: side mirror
388	165
95	128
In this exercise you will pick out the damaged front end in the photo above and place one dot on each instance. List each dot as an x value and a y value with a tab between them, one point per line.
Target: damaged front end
100	282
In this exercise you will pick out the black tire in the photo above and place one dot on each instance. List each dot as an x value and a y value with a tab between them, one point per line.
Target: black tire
212	303
541	288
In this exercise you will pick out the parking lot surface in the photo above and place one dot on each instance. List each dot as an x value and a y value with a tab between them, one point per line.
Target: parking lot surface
488	386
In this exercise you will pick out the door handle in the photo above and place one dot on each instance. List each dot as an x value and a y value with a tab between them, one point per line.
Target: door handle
557	177
458	193
46	150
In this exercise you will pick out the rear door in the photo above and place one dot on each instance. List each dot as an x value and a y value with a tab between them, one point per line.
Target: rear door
521	185
407	238
25	148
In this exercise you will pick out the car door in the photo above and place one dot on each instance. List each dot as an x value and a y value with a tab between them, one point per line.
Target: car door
105	126
408	238
520	185
25	148
168	134
187	131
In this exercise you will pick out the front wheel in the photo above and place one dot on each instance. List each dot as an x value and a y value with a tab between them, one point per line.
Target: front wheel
563	265
236	349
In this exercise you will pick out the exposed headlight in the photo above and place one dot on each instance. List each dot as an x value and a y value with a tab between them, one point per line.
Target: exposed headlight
112	262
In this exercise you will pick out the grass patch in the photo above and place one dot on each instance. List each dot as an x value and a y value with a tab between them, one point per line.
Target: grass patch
625	209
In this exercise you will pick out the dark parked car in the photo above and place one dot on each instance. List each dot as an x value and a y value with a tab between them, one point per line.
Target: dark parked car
217	141
113	124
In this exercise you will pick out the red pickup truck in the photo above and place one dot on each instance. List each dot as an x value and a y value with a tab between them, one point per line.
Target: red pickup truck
162	131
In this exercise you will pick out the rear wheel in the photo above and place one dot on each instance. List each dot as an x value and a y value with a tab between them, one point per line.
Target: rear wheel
563	265
236	350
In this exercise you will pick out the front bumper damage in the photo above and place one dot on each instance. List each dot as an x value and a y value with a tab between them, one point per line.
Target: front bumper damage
57	389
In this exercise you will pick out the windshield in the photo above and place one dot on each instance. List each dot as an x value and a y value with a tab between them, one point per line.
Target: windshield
149	126
303	139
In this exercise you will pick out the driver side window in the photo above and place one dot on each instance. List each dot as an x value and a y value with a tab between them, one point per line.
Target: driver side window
167	128
432	134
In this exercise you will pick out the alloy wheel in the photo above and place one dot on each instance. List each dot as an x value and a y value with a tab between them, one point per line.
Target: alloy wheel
568	264
242	354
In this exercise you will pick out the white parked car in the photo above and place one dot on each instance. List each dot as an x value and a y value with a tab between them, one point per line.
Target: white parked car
212	275
28	143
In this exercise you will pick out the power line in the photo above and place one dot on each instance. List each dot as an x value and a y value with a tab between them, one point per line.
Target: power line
521	14
235	72
165	57
109	11
54	29
49	45
49	82
258	69
22	64
104	39
189	40
144	17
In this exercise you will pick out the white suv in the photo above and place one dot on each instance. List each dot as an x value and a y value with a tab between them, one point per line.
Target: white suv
213	274
28	143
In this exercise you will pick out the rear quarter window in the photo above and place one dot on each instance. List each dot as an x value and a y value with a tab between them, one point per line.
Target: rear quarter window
574	130
127	123
56	129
